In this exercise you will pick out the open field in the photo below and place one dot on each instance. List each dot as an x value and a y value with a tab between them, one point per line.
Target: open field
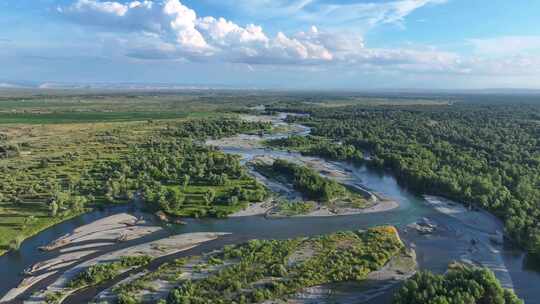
53	156
97	108
60	158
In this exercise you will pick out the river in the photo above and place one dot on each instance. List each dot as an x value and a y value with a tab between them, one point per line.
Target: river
454	239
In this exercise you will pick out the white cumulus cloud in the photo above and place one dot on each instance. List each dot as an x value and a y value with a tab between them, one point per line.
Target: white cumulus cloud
169	30
171	20
198	37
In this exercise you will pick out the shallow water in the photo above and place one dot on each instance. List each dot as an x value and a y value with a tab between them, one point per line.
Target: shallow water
452	241
13	263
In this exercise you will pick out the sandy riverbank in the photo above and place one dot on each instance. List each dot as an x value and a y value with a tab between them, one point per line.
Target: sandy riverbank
380	206
112	229
254	209
268	209
481	234
476	219
156	249
82	242
24	286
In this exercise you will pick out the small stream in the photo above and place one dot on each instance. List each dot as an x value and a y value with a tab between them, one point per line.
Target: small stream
452	241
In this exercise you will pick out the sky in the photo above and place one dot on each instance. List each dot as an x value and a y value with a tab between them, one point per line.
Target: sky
303	44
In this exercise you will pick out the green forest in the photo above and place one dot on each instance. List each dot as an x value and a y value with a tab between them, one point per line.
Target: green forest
312	186
305	180
484	155
460	285
318	146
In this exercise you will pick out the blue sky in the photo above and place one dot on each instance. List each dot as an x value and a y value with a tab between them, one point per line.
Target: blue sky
333	44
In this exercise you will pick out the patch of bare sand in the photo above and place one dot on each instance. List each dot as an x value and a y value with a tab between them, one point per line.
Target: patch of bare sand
254	209
109	230
24	286
160	284
322	210
243	141
399	268
155	249
50	267
62	259
86	246
476	219
115	228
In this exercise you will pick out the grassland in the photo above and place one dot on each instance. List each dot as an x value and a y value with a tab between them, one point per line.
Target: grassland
52	156
62	156
80	109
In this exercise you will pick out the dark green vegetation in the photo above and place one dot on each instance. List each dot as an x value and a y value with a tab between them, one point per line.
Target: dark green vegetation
217	128
311	184
269	269
98	273
306	181
183	179
50	173
485	155
460	285
318	146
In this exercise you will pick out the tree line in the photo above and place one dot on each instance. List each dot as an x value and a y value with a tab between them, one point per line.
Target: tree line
215	128
163	167
305	180
460	285
484	155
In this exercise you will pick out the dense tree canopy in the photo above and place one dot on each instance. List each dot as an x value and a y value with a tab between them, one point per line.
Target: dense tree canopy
171	168
305	180
216	128
461	285
167	173
485	155
319	146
